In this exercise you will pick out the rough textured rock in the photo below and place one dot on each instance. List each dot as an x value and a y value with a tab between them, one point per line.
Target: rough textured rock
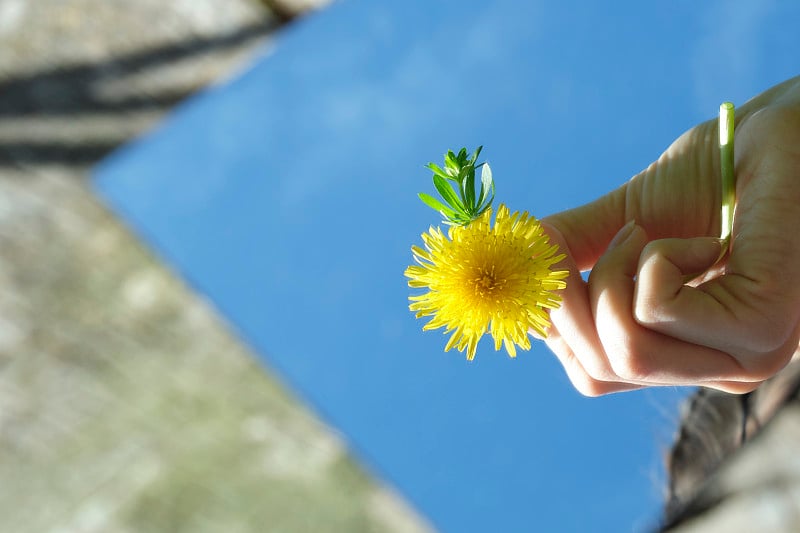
126	403
79	77
735	466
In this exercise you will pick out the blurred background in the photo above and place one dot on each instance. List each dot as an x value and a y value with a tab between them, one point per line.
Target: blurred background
206	207
109	421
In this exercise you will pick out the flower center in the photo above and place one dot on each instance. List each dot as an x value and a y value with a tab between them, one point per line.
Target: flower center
488	282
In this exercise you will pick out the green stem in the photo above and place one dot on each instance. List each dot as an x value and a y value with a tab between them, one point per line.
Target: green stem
728	204
726	166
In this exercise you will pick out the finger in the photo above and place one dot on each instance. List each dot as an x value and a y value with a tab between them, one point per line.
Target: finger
590	387
663	302
588	367
637	354
751	311
573	318
580	379
574	338
758	316
734	387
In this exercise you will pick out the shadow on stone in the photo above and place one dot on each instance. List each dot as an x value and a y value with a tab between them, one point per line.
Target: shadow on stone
73	93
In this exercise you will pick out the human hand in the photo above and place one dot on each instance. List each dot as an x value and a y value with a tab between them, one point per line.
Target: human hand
635	323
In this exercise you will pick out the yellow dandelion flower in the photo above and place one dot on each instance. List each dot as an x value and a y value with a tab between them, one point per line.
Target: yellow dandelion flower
482	278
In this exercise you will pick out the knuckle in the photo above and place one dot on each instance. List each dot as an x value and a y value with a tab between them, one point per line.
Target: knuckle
600	371
589	387
653	303
651	249
767	334
627	362
631	370
647	310
764	366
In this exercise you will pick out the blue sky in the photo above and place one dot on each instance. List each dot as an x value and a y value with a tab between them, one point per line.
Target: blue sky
288	196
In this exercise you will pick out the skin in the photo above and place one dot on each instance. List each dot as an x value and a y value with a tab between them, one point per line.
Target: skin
635	323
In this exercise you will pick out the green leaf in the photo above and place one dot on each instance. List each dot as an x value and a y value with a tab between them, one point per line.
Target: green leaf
447	192
488	203
465	203
441	172
435	204
475	154
469	189
487	183
481	193
450	160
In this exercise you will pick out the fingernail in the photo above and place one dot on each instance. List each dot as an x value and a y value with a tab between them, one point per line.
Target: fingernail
622	234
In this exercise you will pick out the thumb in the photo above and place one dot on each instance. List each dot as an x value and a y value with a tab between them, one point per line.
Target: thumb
718	314
662	302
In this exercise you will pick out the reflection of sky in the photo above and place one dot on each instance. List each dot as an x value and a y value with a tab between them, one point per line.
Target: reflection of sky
289	196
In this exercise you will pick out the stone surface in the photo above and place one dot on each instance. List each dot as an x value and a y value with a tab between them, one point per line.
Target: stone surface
126	403
79	77
736	468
